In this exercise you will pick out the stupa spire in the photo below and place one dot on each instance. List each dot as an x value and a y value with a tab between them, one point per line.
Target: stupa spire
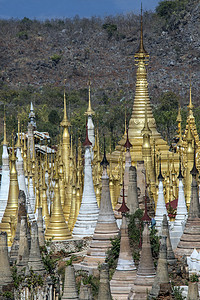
141	51
136	123
4	129
89	111
18	144
190	106
65	140
65	122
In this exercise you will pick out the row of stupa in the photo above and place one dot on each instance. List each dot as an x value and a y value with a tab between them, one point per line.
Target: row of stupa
83	198
78	180
127	281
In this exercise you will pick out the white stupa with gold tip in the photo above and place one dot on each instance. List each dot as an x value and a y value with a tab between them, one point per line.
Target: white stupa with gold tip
5	178
90	124
89	211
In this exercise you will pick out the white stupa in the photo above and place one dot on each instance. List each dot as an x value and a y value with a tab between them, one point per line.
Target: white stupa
89	211
161	206
5	177
181	215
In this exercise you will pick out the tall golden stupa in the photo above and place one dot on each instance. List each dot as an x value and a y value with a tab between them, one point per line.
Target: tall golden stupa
142	117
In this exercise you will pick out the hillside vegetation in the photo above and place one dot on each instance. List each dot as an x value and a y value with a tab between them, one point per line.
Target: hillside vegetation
36	57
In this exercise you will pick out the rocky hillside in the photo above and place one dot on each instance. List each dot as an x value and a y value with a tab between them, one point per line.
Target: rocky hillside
35	55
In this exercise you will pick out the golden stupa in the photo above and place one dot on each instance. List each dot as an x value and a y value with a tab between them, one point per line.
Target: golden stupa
8	222
57	227
141	120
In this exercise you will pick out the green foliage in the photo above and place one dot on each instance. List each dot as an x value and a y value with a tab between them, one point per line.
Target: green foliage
166	8
71	260
155	244
34	280
54	117
177	293
50	263
165	115
7	295
113	253
22	35
56	58
88	280
31	280
110	29
18	279
135	228
194	278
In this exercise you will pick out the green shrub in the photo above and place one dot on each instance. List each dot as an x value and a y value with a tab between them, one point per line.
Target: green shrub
194	278
110	29
166	8
113	253
23	35
177	293
56	58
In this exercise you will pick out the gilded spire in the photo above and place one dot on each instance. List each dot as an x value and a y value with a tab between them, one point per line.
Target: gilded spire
179	118
141	53
18	144
65	122
4	129
13	157
89	111
189	134
136	123
190	106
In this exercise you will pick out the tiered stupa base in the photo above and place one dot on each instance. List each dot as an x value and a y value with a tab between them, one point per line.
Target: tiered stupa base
142	286
100	244
190	238
122	283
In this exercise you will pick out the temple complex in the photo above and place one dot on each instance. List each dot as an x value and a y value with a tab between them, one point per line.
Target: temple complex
67	201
